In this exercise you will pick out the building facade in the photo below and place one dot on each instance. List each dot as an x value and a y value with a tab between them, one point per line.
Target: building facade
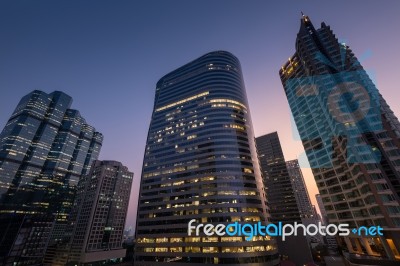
280	194
300	189
330	240
45	147
307	211
281	198
324	216
99	214
351	138
200	163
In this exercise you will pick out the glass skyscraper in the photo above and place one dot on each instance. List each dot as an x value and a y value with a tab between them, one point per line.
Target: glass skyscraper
200	163
351	138
45	147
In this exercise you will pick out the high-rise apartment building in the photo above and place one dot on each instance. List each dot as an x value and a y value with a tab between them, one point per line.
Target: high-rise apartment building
99	214
281	198
45	147
201	163
351	138
300	189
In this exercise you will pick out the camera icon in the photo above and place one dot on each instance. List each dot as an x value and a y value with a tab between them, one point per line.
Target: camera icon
335	115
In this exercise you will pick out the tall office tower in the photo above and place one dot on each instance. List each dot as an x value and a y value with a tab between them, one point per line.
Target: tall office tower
330	240
324	216
351	138
200	163
99	214
44	149
300	190
307	211
281	199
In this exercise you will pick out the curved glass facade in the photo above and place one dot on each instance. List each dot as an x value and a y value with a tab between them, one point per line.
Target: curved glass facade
200	163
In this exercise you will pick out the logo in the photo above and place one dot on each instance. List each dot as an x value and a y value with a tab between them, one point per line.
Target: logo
283	230
336	109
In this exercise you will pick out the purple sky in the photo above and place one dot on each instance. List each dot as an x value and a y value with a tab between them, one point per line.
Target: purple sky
108	55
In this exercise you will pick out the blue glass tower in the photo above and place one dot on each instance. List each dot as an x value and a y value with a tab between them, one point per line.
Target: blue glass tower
351	139
45	147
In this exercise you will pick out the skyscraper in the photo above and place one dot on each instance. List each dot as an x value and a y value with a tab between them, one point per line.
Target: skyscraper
321	207
99	213
281	199
45	147
300	190
307	211
351	138
330	240
200	163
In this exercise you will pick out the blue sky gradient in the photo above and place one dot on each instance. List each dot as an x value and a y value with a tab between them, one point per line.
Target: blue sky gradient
108	55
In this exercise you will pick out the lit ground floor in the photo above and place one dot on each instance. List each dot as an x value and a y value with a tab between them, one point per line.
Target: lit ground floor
377	250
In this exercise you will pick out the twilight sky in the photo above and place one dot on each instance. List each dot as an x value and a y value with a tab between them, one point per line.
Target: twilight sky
108	55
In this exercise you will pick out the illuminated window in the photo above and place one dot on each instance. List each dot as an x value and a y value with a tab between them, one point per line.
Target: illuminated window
251	219
235	219
192	239
161	249
248	170
182	101
192	249
146	240
191	137
208	178
232	249
227	192
231	239
269	247
179	183
210	249
162	240
247	193
175	249
235	126
210	239
227	101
